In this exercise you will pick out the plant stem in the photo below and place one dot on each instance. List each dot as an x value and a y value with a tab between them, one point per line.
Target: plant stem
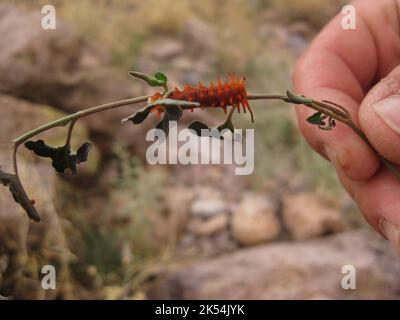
329	109
334	111
266	97
69	135
72	118
77	115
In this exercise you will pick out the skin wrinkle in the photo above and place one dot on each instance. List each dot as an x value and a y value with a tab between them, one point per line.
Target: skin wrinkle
363	87
357	97
352	100
375	79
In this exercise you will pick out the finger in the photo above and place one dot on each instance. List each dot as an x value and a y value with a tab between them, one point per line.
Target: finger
380	116
340	143
379	201
340	66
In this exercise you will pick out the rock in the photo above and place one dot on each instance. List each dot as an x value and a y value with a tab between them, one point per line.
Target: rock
255	221
206	207
206	227
29	245
54	67
305	216
199	37
187	241
292	270
166	49
301	28
60	69
19	117
177	202
25	244
223	242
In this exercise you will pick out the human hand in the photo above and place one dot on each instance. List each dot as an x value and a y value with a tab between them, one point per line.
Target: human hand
346	67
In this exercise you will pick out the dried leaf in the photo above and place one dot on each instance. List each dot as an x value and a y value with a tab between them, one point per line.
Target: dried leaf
19	194
62	157
226	125
139	116
197	126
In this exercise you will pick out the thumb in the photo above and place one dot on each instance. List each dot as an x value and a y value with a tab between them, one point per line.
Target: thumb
379	116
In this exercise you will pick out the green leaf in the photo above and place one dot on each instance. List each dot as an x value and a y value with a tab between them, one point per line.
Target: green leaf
158	80
62	157
197	126
317	119
161	76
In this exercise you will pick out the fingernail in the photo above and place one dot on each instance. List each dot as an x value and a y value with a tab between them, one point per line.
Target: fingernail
388	110
392	233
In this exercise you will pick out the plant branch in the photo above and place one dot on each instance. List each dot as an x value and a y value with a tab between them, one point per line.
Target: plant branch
325	109
77	115
69	135
332	110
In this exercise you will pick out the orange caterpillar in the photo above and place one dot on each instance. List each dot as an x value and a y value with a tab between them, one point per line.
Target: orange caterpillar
231	93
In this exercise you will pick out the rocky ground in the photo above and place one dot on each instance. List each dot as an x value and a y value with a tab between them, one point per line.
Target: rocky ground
120	229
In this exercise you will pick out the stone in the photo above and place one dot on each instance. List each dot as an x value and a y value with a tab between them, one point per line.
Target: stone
255	220
177	202
223	242
207	227
24	244
27	244
289	270
20	116
302	29
306	216
60	69
56	67
166	49
199	37
206	207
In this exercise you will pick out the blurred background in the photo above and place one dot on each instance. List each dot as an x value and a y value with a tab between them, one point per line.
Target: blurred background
121	229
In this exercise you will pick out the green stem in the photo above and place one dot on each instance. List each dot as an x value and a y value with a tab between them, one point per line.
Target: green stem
266	97
72	118
69	135
332	110
325	107
80	114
